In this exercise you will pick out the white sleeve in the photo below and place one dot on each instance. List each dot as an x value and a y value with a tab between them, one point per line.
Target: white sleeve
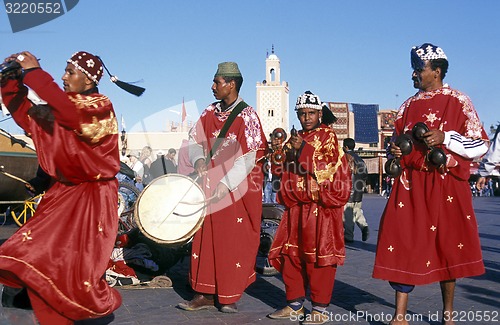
195	151
138	169
465	147
241	169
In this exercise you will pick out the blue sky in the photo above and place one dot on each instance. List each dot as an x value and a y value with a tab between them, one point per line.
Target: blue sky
345	51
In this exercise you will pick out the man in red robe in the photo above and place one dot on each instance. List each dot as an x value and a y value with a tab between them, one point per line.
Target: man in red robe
224	250
61	253
428	231
315	186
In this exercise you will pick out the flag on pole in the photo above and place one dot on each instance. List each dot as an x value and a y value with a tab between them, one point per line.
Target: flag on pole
183	115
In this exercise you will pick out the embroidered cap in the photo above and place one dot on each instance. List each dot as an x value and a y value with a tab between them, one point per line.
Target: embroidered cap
89	64
425	52
228	69
308	100
93	67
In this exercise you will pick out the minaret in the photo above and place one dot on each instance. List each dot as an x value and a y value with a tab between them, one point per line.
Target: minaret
273	97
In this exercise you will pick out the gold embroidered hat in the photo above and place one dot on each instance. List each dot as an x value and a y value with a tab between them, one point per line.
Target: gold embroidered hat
228	69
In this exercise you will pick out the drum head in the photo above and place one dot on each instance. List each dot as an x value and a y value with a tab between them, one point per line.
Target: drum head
170	209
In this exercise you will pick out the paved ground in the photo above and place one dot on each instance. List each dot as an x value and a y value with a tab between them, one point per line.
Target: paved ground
357	298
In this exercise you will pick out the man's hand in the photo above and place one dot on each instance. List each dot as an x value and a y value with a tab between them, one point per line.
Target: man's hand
25	59
296	141
434	137
221	191
395	150
200	167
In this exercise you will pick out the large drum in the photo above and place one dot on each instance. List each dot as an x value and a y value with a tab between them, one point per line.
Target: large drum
170	209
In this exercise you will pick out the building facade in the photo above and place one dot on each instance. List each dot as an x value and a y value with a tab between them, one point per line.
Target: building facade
272	102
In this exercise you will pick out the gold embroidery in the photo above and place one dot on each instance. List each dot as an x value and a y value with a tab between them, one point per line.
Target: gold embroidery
326	151
26	236
83	101
97	130
314	190
52	285
300	184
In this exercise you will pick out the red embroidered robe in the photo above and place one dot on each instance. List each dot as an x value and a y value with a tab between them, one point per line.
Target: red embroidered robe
62	252
428	231
224	250
314	195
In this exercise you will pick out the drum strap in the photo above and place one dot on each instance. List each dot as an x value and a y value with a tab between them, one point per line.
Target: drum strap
237	110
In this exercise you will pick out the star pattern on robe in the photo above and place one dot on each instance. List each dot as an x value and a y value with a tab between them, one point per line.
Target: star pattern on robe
239	220
390	248
468	217
460	245
450	199
26	236
431	117
401	204
87	285
238	265
195	256
316	212
428	263
99	227
433	228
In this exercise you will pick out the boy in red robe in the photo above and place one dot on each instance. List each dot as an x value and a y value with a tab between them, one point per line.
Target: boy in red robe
315	186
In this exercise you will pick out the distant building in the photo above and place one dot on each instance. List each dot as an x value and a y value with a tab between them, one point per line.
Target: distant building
273	97
344	122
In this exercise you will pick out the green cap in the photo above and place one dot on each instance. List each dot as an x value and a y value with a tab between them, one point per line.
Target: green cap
228	69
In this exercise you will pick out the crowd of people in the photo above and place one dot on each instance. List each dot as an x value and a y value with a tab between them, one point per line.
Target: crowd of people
427	234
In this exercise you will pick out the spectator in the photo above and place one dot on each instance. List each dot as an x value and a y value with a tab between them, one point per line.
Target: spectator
162	166
353	213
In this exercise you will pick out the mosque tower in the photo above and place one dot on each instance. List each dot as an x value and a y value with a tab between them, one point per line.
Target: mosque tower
273	97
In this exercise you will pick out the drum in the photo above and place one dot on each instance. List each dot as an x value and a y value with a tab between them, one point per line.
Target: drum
170	209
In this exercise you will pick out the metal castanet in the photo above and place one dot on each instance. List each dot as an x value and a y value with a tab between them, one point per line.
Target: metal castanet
435	155
278	137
